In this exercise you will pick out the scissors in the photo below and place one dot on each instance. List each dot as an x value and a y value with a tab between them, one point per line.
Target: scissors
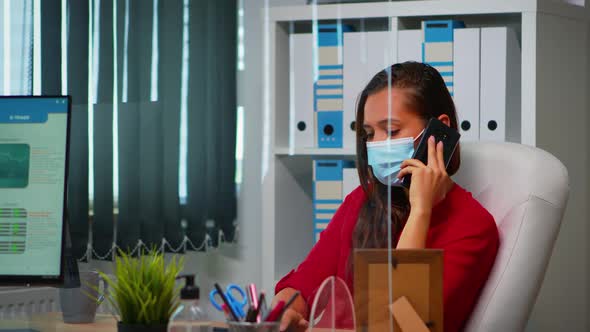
236	301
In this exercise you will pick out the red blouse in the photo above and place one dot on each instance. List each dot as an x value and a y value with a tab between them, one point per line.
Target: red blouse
459	225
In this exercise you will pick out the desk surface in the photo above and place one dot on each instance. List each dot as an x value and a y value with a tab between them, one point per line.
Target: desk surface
52	322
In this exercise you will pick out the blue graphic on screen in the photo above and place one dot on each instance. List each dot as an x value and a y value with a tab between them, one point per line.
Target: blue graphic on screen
14	165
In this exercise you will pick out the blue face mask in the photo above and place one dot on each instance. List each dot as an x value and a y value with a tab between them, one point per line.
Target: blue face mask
386	157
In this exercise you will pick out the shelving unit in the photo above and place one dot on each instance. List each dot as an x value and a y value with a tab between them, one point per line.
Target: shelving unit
426	8
345	153
547	31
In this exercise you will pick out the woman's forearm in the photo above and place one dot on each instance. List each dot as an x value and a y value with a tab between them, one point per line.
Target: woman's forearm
415	231
298	305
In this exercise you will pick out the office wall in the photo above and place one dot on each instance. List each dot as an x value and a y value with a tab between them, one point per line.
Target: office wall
561	129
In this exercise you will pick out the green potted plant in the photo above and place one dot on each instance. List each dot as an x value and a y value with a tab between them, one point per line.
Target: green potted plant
143	292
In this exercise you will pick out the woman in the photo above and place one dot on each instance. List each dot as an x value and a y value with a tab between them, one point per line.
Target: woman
433	213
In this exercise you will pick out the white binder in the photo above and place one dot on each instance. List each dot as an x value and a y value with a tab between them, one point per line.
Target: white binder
365	54
409	45
301	127
500	85
350	181
381	52
466	55
356	76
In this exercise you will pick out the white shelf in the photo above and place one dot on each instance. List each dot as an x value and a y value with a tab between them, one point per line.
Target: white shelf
285	151
427	8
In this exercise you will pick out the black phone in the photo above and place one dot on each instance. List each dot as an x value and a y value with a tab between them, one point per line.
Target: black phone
441	132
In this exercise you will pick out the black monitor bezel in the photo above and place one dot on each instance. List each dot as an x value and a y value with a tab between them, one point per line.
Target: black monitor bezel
55	280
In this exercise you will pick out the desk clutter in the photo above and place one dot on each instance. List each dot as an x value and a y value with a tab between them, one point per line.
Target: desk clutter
394	289
331	309
248	310
245	309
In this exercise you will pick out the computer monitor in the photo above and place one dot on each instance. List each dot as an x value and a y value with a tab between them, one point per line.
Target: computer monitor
34	141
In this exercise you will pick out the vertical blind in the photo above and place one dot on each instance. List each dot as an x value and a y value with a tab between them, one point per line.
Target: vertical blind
153	131
16	48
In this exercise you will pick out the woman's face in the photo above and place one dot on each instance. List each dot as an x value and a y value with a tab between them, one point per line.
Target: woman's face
403	121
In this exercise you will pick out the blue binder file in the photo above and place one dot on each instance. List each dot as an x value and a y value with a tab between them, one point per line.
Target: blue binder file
328	191
329	129
437	48
328	83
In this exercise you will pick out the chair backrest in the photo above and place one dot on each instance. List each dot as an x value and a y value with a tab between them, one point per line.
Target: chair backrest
526	190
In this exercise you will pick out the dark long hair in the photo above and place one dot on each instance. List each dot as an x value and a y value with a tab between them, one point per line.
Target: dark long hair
429	98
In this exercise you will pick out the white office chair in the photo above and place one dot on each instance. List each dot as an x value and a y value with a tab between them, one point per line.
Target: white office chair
526	191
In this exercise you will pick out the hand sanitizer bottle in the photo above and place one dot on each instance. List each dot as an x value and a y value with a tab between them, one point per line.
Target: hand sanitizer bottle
189	317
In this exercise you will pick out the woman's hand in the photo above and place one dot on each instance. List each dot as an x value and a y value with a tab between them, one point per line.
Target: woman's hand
294	317
293	321
430	183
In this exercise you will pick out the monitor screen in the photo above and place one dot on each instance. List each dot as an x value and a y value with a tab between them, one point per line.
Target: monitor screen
33	166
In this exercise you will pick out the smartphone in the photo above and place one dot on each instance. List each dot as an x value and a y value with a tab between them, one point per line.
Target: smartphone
441	132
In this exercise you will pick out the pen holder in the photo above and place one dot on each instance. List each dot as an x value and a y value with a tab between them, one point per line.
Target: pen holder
253	327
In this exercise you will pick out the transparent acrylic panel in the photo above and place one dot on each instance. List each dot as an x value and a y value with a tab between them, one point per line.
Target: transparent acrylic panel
332	307
360	81
331	91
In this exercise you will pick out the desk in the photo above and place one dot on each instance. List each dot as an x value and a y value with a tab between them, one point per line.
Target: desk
52	322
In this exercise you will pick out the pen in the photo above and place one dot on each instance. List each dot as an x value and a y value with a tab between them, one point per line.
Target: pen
226	311
274	314
262	308
252	315
232	313
252	294
248	296
289	302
